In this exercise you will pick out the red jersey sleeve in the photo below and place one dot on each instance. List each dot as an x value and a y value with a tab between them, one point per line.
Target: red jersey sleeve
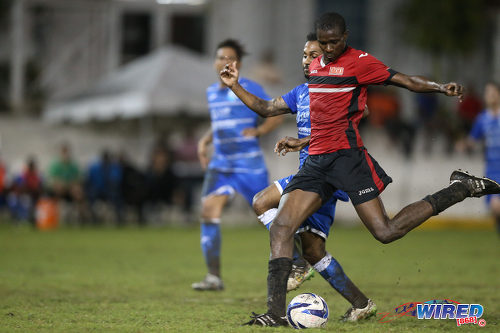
370	70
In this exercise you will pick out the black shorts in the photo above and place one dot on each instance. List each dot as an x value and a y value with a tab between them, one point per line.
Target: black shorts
353	171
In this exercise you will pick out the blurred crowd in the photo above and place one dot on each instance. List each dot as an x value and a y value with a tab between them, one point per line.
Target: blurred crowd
110	188
431	119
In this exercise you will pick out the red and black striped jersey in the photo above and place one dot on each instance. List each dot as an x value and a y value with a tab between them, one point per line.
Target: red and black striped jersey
337	93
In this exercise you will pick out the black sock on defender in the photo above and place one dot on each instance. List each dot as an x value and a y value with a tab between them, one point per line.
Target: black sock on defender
447	197
279	270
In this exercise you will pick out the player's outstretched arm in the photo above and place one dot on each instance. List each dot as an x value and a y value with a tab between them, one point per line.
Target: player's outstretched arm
203	149
289	144
229	76
423	85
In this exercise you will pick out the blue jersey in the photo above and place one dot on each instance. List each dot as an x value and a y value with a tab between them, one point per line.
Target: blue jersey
234	152
297	100
487	127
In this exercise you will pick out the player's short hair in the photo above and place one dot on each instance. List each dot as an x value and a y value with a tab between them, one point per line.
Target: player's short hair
311	37
330	21
235	45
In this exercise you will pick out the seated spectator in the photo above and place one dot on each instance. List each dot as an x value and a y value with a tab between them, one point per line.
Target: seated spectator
468	109
65	180
133	187
189	172
103	183
26	190
3	184
160	178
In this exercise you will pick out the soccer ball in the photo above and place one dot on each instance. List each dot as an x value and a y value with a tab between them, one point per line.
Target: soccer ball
307	311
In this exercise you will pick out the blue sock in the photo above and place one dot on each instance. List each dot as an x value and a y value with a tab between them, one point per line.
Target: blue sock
210	246
331	271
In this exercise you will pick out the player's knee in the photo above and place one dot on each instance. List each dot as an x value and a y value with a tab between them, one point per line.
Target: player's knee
209	212
259	204
387	236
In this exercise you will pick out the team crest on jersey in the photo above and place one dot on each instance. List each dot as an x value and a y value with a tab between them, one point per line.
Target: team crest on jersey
336	71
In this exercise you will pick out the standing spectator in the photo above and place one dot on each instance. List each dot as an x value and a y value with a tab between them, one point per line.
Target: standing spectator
103	183
65	180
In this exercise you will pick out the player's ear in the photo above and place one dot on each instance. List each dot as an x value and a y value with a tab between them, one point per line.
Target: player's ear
346	34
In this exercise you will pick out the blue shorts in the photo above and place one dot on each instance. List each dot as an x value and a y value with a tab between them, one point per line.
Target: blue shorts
229	183
321	221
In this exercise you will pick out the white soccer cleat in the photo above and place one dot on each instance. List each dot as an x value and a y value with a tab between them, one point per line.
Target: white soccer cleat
299	275
210	282
355	314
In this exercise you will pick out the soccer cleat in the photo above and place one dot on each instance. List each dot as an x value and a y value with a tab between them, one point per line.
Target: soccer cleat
266	319
354	314
477	186
210	282
299	275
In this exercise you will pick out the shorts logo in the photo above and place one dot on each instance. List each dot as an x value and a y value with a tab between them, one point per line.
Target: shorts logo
314	71
336	71
366	190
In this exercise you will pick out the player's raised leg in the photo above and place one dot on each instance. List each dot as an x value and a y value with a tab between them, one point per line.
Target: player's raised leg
462	185
210	239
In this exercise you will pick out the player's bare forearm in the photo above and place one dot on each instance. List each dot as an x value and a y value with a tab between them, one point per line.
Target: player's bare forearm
274	107
290	144
423	85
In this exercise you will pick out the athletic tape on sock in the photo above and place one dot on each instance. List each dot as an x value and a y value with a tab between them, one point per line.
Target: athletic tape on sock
268	216
323	263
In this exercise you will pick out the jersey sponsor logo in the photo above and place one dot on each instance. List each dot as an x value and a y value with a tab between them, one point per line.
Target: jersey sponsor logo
336	71
366	190
314	71
363	55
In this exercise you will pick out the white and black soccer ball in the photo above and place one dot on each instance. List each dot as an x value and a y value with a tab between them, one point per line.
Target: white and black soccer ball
307	311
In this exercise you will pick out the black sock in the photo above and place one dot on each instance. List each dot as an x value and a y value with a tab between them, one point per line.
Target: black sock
447	197
279	270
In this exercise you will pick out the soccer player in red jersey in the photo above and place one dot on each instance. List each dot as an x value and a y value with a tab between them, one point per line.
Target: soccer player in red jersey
338	159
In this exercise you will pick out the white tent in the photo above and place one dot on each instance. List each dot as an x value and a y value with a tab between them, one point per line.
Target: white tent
169	81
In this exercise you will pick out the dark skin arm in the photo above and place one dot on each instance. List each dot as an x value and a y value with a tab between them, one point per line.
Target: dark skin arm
289	144
277	106
423	85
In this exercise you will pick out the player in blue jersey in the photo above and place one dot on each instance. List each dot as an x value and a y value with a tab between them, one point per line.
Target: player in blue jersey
237	163
486	128
314	231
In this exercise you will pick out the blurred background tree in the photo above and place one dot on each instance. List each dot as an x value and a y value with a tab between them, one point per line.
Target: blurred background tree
444	27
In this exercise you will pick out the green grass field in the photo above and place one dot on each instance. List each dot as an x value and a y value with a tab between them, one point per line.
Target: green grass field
138	280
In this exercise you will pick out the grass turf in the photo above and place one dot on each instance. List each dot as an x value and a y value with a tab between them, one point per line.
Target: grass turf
138	280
